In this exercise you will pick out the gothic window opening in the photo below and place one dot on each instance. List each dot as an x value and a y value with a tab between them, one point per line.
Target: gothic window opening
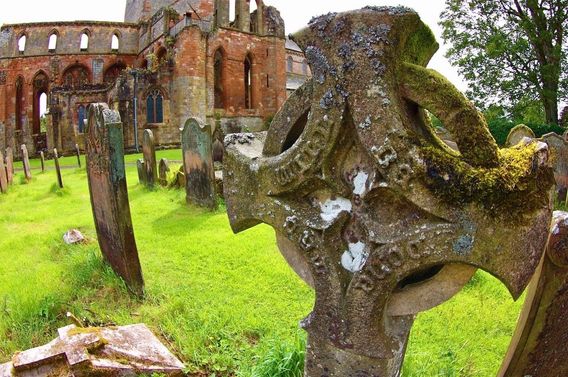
218	80
22	44
232	11
52	44
84	41
76	76
81	119
19	100
290	64
248	82
115	43
40	86
112	73
155	107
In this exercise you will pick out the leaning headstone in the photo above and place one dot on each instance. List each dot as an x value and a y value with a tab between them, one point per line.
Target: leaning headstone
26	163
57	168
42	160
3	175
163	170
368	207
78	153
198	164
559	149
109	194
149	150
141	171
100	351
10	165
517	134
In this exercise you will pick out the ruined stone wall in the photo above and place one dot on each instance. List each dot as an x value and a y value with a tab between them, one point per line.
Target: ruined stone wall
137	10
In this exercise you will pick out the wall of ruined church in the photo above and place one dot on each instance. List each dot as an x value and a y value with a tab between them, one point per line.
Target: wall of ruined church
137	10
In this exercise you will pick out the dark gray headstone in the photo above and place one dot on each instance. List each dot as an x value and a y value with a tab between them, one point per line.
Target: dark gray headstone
78	153
57	168
149	150
163	169
198	164
3	175
26	162
109	195
42	160
141	171
10	165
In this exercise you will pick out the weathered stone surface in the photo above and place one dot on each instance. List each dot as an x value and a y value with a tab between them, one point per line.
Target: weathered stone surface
73	236
10	165
26	162
218	151
114	351
559	152
42	160
149	151
141	171
163	169
517	134
109	195
539	344
57	168
3	175
369	205
78	153
198	164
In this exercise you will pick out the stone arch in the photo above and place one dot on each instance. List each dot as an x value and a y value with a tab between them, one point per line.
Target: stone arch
40	87
113	71
84	41
115	41
76	75
52	40
219	68
21	42
154	100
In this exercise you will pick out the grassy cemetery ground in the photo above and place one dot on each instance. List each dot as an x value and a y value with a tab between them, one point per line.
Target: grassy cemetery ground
225	304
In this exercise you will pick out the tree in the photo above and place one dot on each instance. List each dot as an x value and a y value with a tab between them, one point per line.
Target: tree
510	51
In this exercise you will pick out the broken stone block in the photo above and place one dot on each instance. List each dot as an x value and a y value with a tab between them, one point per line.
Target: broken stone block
73	236
112	351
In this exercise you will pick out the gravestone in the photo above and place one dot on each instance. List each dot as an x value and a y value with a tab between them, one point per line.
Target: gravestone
218	150
559	149
517	134
57	168
3	175
26	163
369	206
149	151
198	164
109	195
102	351
163	170
42	160
10	165
141	171
78	153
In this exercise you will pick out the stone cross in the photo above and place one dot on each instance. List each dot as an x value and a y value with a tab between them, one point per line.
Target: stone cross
26	163
42	160
10	165
369	206
78	153
198	164
149	150
141	171
109	195
57	168
163	169
3	175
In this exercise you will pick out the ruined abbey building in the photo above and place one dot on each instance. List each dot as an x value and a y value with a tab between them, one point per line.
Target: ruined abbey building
169	61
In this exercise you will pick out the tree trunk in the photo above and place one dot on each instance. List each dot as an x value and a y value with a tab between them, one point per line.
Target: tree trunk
550	103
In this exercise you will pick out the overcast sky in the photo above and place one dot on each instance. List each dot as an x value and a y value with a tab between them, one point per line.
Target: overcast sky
296	14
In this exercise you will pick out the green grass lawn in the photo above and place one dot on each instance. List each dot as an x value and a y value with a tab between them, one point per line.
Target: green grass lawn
225	304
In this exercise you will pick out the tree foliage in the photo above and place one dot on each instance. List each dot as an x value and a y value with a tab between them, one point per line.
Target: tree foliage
510	51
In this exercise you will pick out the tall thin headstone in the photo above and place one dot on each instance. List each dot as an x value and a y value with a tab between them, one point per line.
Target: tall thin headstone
10	165
57	168
163	169
141	171
26	162
78	153
149	151
109	194
42	160
3	175
198	164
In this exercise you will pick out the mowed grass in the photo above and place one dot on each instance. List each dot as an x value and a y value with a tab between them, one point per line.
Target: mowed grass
227	305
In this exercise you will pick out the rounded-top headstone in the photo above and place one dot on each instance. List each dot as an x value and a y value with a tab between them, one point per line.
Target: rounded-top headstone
518	133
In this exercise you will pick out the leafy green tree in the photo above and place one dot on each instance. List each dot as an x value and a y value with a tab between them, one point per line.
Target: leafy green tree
510	51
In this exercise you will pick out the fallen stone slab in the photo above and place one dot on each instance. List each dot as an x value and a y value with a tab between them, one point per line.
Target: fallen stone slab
113	351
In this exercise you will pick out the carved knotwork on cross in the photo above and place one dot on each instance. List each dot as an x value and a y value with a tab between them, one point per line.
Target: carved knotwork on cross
369	206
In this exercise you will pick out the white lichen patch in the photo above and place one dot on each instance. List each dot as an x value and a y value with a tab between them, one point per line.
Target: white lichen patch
355	258
360	183
331	209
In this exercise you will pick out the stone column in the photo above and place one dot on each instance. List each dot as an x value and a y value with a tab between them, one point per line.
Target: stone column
222	12
242	14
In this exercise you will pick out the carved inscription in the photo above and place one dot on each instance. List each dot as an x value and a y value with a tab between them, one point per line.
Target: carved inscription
309	240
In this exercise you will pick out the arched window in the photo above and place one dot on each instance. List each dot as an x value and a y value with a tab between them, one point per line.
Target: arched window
155	107
115	43
41	88
81	119
112	73
218	80
76	76
22	44
290	65
84	41
305	67
248	82
232	10
19	100
52	44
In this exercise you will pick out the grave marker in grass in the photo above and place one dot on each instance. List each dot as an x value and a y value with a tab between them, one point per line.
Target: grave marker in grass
163	169
57	168
3	175
149	151
42	160
10	165
141	171
109	195
369	207
26	162
78	153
